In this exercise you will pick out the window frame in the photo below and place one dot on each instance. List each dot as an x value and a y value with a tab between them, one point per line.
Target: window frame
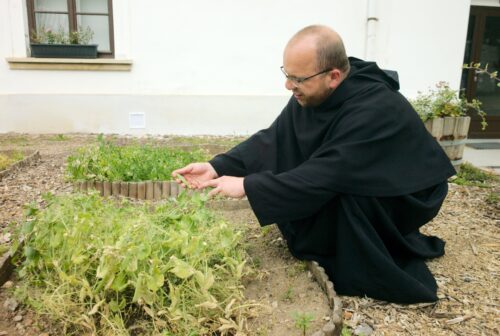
73	25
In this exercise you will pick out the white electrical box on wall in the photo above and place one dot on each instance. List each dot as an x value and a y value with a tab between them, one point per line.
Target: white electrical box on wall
136	120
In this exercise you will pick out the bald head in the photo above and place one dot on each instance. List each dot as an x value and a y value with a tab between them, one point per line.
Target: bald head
326	43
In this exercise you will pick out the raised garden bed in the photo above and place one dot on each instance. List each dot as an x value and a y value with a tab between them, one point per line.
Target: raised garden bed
32	254
14	160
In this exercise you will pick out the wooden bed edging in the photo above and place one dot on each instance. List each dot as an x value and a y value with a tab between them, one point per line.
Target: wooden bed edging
334	326
33	157
144	190
153	191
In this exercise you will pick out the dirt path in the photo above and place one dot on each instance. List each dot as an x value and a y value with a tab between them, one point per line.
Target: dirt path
468	275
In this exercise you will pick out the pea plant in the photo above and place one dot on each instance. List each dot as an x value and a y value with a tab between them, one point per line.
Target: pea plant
107	161
110	267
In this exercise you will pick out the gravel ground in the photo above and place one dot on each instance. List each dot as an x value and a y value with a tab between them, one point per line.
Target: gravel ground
468	275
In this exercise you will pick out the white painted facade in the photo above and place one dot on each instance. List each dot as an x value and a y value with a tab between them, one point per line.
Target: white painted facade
212	67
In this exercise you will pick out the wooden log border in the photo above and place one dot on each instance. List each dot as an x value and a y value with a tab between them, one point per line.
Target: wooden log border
334	326
143	190
28	160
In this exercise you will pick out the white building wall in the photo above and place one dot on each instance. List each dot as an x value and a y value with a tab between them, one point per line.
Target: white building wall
212	67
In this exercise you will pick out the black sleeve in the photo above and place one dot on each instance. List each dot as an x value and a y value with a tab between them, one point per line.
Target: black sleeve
292	195
229	163
257	153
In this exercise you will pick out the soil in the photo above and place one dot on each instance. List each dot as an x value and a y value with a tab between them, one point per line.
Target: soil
468	274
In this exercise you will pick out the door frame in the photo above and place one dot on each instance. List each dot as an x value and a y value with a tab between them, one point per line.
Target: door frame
493	129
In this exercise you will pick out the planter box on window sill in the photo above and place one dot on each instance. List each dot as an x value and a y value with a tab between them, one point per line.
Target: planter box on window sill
43	50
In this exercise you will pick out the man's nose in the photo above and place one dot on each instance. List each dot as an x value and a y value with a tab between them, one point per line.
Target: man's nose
289	84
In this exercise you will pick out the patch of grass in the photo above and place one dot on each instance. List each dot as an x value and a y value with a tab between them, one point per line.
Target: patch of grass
109	267
59	137
213	140
493	198
16	139
257	262
288	295
469	175
265	230
8	159
107	161
297	268
346	331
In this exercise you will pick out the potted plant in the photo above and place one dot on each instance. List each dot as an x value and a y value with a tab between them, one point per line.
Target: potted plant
444	113
61	44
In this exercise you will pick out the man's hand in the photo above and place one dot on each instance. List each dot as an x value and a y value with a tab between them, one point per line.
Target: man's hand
195	174
227	186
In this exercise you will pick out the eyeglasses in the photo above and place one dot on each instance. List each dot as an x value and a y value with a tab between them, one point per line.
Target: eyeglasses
299	80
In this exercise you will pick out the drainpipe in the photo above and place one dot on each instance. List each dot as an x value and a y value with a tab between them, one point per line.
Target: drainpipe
371	31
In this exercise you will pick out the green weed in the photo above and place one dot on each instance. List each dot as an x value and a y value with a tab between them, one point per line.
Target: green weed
288	295
297	268
493	198
469	175
109	267
346	332
265	230
59	137
302	321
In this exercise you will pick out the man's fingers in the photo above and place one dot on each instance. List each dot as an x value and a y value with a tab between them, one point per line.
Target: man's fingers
214	192
210	183
182	171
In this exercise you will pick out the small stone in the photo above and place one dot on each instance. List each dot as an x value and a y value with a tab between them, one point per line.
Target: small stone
363	329
18	318
3	333
318	333
347	315
10	304
467	278
8	284
274	304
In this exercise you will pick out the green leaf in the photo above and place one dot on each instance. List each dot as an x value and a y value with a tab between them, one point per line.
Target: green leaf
30	252
28	227
180	268
155	281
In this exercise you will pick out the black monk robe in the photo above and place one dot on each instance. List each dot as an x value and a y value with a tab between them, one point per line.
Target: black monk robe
349	183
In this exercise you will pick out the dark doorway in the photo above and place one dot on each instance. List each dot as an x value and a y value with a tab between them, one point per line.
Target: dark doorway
483	46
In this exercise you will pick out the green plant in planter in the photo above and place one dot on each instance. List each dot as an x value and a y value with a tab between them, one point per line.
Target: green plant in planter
446	102
483	71
47	36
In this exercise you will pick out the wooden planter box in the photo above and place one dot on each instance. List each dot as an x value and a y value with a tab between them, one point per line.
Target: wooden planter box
44	50
451	133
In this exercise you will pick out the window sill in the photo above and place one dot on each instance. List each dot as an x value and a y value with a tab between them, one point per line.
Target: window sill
98	64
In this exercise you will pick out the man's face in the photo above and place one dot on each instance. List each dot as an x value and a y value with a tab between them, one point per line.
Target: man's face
299	61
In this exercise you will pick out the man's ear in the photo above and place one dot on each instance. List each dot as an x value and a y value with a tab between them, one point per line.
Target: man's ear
335	77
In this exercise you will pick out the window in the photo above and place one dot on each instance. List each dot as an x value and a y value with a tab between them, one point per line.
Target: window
74	15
